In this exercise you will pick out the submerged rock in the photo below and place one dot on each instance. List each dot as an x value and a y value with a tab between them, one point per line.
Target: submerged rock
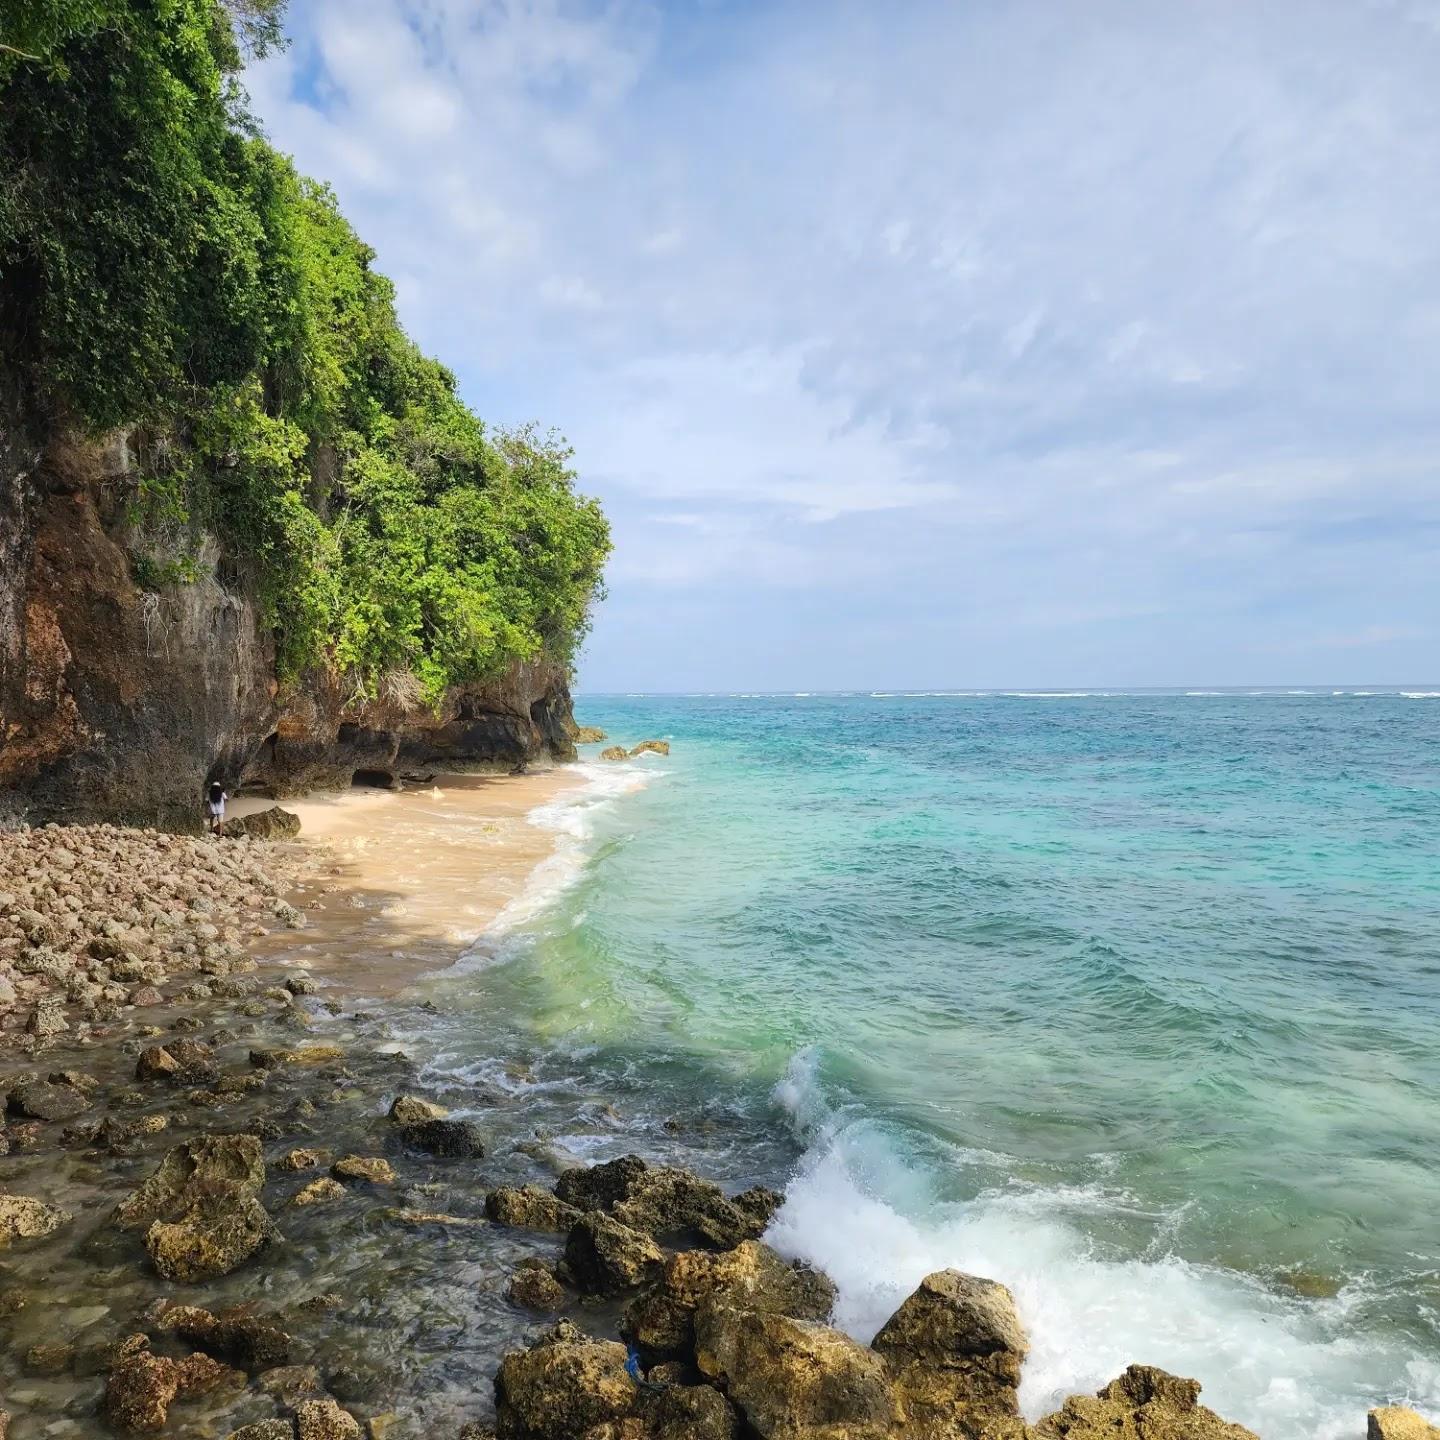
604	1257
318	1192
954	1351
325	1420
45	1100
372	1169
23	1218
562	1387
205	1165
1144	1403
265	1430
530	1208
661	1321
181	1062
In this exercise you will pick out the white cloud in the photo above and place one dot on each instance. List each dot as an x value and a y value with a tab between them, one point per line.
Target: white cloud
1125	313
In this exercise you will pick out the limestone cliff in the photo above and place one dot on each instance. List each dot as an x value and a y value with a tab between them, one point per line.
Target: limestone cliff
121	703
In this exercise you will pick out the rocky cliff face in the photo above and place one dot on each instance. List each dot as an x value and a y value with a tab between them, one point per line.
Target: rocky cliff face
121	703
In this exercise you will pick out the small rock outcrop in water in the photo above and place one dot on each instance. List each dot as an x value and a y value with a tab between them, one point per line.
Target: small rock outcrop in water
651	747
271	824
1393	1422
1144	1402
615	752
202	1209
588	735
24	1218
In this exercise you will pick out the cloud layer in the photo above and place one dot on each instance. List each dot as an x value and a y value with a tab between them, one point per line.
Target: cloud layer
932	344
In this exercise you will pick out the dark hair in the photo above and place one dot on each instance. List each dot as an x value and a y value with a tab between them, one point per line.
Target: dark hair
216	791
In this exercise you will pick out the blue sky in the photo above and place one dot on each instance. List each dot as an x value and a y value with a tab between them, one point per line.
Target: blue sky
932	344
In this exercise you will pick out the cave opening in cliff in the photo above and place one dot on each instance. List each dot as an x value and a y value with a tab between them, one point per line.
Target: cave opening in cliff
373	779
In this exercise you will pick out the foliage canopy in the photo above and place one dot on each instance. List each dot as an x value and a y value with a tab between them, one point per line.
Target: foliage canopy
163	268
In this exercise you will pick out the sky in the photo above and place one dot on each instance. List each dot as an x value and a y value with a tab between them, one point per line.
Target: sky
925	344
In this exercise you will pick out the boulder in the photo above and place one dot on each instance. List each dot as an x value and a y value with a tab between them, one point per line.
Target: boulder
302	1159
563	1386
306	1056
325	1420
533	1286
181	1062
688	1412
238	1334
44	1100
599	1187
372	1169
201	1208
530	1208
411	1110
265	1430
140	1392
651	747
22	1218
213	1236
1394	1422
604	1257
201	1166
271	824
614	752
453	1139
318	1192
954	1351
661	1321
794	1379
588	735
291	1384
1143	1404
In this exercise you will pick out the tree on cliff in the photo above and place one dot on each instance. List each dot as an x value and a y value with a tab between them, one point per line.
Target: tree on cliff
163	269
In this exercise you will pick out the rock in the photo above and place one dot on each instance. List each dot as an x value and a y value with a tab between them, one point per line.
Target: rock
325	1420
472	1431
200	1374
651	747
214	1236
530	1208
453	1139
47	1019
599	1187
1143	1402
604	1257
265	1430
181	1062
688	1412
202	1209
140	1392
318	1192
307	1056
42	1100
398	1215
533	1286
954	1351
661	1321
202	1166
1393	1422
562	1387
614	752
252	1341
410	1110
271	824
588	735
145	995
51	1359
291	1383
662	1200
301	1160
794	1378
22	1218
370	1168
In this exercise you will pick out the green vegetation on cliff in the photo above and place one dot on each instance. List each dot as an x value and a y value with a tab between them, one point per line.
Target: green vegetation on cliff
163	268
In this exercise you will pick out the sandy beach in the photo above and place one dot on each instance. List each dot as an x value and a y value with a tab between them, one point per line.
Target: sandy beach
401	883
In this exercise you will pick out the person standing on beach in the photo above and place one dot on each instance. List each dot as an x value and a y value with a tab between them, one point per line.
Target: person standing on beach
215	799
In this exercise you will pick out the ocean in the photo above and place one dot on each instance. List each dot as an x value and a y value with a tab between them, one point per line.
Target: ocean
1128	1000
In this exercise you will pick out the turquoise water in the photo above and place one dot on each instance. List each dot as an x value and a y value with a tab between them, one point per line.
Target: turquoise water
1130	1001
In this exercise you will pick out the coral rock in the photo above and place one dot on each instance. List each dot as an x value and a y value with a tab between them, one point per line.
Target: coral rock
530	1208
1143	1404
604	1257
562	1387
1393	1422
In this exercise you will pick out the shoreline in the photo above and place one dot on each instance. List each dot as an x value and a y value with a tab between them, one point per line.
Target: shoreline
416	1222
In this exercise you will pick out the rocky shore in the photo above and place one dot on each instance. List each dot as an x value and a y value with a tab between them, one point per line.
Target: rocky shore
233	1207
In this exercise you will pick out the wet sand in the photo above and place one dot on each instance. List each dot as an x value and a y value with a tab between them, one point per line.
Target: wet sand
405	882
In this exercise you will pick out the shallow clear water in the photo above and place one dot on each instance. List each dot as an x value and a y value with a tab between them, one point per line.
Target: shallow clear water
1130	1001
